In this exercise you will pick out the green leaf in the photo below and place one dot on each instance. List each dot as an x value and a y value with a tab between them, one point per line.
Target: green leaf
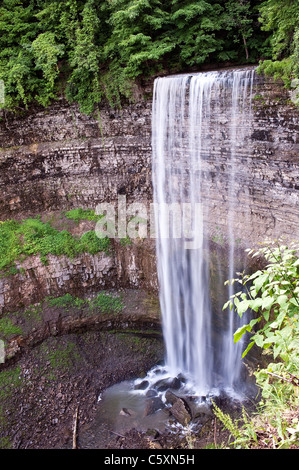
226	304
256	304
254	322
243	306
267	303
260	281
294	301
254	275
248	349
259	340
240	332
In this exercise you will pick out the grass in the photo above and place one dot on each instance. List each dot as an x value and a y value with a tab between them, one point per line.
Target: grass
66	301
105	302
9	379
63	358
82	214
20	239
7	328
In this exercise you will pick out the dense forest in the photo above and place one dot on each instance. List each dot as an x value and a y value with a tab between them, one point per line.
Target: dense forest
88	50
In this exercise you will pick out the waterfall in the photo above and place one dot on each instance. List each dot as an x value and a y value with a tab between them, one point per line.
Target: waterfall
193	116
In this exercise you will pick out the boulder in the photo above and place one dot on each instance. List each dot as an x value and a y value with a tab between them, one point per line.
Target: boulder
152	405
180	409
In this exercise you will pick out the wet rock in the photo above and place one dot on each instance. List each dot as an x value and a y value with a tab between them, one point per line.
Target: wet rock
142	385
126	412
180	409
151	393
152	405
164	384
152	434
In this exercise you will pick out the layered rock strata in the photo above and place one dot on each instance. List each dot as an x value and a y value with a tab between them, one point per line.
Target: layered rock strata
58	159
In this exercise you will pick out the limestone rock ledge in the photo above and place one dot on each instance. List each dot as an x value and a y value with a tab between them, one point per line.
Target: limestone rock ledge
132	266
140	315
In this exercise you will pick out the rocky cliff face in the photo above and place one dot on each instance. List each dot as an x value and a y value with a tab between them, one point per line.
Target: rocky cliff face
266	173
58	159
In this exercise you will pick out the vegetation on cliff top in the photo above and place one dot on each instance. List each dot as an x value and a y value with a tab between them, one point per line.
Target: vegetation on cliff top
89	50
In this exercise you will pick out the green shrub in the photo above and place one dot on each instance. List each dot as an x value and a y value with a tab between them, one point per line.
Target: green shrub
272	295
82	214
19	239
66	301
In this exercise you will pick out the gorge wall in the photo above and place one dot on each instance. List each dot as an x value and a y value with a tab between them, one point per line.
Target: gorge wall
58	159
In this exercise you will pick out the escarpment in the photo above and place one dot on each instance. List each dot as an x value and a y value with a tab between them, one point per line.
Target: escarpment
56	159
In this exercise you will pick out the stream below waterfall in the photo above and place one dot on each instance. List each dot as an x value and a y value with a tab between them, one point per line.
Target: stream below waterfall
156	405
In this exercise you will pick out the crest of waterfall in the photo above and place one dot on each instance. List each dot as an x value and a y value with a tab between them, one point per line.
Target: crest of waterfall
185	132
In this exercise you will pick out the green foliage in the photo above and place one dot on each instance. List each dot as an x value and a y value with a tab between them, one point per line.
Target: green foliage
8	328
239	20
46	52
66	301
107	303
91	50
9	380
241	429
282	20
272	294
82	214
104	301
19	239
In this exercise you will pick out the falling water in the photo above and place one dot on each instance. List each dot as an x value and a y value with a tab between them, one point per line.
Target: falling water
185	132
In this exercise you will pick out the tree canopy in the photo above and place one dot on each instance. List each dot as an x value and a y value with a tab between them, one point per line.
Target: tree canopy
91	49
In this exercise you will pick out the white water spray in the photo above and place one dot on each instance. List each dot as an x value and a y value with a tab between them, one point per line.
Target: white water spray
185	132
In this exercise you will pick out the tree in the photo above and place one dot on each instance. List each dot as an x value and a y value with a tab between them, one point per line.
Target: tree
95	49
281	19
238	17
195	26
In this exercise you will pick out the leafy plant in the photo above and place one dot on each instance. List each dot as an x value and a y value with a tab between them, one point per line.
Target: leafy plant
272	293
104	301
241	429
281	19
272	296
90	51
